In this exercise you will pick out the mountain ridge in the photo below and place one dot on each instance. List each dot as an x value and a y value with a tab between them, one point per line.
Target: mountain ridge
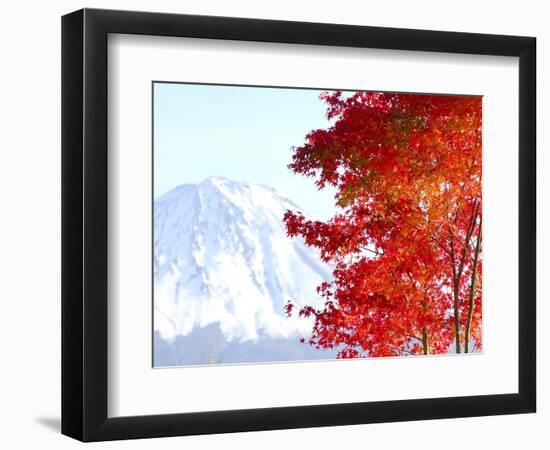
223	260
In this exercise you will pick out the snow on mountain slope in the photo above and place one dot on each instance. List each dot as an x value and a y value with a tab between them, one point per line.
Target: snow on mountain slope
223	262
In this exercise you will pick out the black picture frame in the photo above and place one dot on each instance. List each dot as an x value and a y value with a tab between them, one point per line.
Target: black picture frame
84	224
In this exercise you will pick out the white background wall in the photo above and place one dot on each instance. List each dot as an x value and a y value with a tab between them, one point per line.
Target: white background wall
30	221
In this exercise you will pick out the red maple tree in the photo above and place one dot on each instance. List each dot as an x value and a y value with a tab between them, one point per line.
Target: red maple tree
406	240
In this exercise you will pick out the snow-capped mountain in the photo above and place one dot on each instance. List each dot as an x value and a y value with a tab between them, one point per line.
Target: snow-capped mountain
224	268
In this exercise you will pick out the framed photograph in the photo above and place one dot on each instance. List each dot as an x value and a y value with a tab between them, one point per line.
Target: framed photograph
272	224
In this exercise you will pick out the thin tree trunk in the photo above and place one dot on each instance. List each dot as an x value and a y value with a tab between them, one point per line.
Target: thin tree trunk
472	290
455	301
457	272
457	319
425	342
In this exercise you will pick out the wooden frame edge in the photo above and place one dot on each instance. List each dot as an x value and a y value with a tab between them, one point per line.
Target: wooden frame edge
84	225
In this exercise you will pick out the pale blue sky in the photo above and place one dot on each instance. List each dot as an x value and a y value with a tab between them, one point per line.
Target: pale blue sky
241	133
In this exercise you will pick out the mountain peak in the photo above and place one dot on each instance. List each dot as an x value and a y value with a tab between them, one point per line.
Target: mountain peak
215	181
223	182
222	256
217	188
